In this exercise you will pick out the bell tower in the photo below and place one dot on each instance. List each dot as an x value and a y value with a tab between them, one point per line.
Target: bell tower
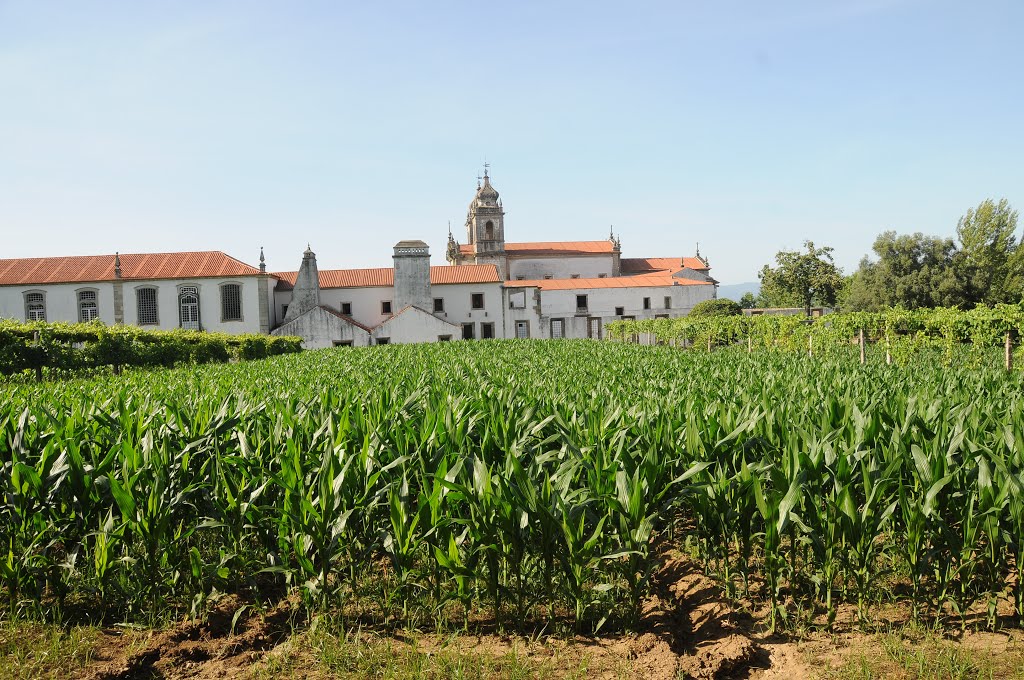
485	226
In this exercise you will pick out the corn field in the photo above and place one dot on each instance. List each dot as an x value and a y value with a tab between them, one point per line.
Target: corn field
514	481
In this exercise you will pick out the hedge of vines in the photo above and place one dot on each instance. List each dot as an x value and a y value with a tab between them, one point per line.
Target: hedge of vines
901	332
81	346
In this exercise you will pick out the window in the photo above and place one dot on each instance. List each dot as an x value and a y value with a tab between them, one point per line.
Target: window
385	307
231	302
574	276
517	300
346	308
35	306
284	311
342	343
602	276
146	308
594	328
489	231
444	338
88	308
619	311
188	307
477	300
383	341
487	331
467	331
647	303
581	304
438	305
520	278
547	276
557	329
522	329
668	302
661	316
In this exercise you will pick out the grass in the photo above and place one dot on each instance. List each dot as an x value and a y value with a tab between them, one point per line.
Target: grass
325	652
912	653
32	650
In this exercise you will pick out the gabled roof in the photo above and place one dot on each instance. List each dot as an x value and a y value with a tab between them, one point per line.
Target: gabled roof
412	309
648	281
651	265
385	276
134	266
341	316
323	309
564	248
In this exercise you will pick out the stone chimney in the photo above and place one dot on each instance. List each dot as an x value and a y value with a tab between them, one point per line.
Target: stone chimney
306	293
412	276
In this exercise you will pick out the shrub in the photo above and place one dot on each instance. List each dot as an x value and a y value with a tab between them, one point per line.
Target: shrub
719	307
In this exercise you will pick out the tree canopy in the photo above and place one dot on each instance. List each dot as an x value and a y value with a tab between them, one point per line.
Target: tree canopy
984	265
991	253
912	271
801	279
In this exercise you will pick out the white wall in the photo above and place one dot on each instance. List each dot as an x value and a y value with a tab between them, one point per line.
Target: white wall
209	303
61	301
561	267
602	303
366	303
319	328
415	326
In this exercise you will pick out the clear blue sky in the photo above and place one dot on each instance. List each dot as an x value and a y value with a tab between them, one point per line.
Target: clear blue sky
746	126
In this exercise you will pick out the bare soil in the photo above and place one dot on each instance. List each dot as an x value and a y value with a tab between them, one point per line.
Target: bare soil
688	631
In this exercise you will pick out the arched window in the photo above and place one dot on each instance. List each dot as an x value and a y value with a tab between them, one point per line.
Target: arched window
147	312
489	230
88	306
231	302
35	306
188	308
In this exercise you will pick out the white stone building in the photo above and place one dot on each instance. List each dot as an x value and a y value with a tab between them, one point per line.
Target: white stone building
196	290
491	288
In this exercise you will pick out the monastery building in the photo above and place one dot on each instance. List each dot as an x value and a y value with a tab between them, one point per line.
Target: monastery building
491	288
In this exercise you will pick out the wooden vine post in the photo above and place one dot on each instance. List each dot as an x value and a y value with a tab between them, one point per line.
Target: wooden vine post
863	358
1008	351
810	345
750	344
709	342
888	356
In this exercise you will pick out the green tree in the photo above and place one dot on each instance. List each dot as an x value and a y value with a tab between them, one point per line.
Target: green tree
717	307
991	261
748	301
801	279
911	270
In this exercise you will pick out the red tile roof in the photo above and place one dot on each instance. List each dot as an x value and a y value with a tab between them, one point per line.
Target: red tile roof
385	276
92	268
551	248
645	281
650	265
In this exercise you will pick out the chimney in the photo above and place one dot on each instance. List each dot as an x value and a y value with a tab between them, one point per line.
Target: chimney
412	276
306	293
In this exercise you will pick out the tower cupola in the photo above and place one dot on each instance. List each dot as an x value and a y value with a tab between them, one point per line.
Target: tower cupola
485	221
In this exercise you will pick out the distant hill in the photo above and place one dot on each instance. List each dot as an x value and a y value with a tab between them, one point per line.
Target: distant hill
734	291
